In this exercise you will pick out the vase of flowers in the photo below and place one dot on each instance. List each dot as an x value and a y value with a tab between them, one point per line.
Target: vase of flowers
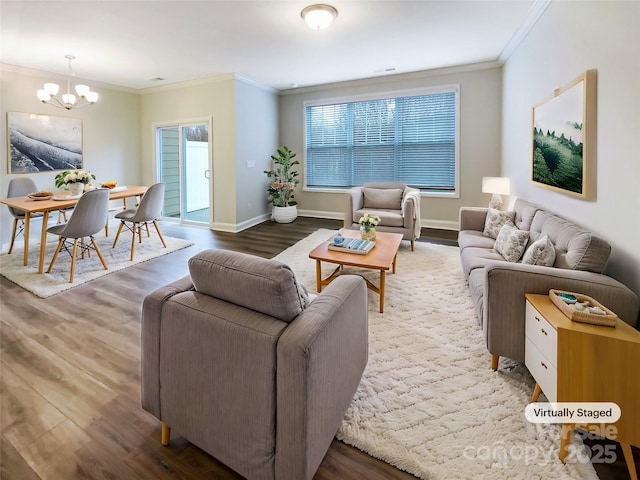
283	180
368	225
74	180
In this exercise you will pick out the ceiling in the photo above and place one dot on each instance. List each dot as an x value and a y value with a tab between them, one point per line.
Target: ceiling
133	43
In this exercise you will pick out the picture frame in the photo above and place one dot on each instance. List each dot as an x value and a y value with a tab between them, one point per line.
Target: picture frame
564	138
43	143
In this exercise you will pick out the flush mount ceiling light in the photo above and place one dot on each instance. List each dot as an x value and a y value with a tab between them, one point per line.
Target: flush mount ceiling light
49	94
319	16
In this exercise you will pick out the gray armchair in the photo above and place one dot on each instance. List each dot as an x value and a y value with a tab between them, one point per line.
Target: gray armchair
397	205
236	360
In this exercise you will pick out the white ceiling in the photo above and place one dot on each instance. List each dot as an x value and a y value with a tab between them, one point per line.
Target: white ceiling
129	43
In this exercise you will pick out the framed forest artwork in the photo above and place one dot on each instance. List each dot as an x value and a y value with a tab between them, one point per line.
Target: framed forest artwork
42	143
564	138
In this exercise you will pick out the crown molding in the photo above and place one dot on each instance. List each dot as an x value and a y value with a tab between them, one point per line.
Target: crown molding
535	12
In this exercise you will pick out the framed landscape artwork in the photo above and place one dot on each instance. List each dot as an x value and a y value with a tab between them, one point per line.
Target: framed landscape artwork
564	138
39	143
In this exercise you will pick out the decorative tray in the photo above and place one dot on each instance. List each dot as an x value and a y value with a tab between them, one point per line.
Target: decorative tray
608	318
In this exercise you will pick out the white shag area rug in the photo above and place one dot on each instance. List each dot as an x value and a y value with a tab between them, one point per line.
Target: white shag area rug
428	402
47	284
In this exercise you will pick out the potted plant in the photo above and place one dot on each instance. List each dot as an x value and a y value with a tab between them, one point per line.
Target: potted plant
74	180
283	180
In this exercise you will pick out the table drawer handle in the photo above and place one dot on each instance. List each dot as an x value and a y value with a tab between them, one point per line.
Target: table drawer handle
542	363
543	331
537	318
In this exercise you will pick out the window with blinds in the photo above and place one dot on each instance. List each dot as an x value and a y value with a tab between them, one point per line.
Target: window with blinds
410	139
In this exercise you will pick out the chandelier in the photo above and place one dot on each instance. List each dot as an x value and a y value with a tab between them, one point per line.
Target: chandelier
49	94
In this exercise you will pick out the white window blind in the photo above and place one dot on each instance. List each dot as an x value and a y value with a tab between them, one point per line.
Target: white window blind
410	139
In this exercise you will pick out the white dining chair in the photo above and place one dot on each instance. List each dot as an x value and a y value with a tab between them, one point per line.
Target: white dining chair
148	211
89	217
19	187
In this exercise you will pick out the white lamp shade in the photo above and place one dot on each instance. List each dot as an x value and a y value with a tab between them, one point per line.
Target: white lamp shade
51	88
82	90
319	16
43	96
68	99
92	97
499	185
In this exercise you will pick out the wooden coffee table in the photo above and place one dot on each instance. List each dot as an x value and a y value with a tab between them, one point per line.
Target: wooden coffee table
382	258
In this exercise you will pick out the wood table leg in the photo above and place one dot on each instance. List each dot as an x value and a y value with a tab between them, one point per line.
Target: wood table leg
27	221
383	275
318	276
394	262
43	241
166	434
565	440
536	393
628	457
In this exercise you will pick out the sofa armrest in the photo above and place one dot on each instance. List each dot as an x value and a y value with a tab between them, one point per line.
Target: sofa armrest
321	357
473	218
150	340
354	202
504	303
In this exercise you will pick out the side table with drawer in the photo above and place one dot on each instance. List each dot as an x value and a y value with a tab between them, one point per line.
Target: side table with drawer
579	362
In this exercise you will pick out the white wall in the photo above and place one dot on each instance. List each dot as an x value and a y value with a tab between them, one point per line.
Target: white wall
111	131
480	122
256	111
568	39
239	134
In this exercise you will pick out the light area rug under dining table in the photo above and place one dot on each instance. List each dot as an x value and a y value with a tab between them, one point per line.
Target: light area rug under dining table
47	284
428	402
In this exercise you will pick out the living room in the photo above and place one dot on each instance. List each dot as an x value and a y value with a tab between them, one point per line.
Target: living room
250	120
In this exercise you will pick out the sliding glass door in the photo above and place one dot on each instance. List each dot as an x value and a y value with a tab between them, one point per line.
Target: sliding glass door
184	165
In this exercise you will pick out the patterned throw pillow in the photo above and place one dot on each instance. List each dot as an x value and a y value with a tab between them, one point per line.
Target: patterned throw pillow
541	252
511	242
495	220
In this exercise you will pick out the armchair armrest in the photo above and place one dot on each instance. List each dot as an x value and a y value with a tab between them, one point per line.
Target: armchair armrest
150	339
504	303
321	357
354	202
473	218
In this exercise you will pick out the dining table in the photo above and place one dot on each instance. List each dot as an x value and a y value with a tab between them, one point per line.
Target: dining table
58	201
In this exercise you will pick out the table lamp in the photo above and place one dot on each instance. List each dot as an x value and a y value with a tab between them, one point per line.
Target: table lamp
497	186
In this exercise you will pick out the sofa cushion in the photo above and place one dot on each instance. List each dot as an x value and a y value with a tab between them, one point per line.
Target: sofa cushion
266	286
511	242
474	238
541	252
524	213
388	218
385	198
495	220
576	247
473	258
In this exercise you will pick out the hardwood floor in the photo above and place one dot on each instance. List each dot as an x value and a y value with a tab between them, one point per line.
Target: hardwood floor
70	375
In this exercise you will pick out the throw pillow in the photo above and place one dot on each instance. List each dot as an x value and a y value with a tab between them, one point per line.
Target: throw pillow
495	220
511	242
541	252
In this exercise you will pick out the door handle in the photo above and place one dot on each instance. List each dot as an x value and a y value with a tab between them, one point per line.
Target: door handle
207	174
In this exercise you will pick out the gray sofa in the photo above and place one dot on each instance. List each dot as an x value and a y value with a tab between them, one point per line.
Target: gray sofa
396	204
238	361
498	286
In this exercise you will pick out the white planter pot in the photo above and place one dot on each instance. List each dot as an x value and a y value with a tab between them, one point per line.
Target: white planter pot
76	189
285	214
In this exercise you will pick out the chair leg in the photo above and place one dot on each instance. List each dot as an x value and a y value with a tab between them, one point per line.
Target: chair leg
95	246
133	238
146	224
73	259
118	234
140	232
13	234
166	434
55	254
155	224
